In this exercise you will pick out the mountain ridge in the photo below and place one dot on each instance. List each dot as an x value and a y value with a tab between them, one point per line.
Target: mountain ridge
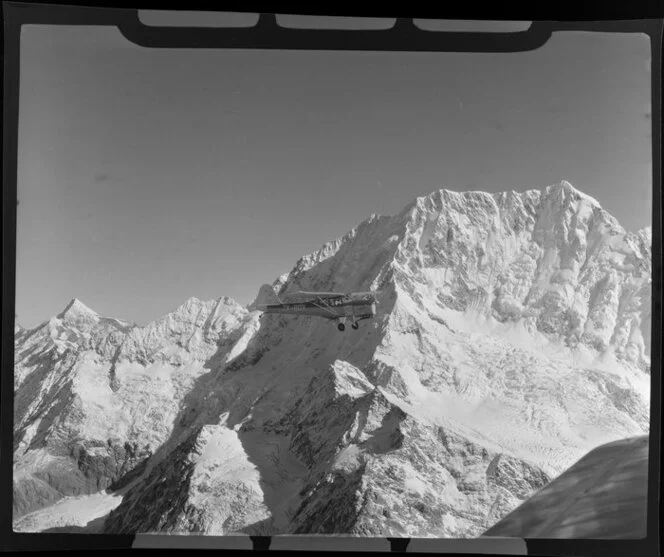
562	186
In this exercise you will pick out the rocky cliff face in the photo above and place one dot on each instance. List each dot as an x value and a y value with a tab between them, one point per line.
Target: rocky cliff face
512	337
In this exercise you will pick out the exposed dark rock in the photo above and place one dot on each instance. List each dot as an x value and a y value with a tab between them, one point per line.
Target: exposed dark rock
159	503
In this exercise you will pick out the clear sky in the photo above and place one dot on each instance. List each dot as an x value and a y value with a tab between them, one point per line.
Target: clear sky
147	176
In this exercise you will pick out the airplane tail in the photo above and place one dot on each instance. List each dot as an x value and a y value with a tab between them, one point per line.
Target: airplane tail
266	296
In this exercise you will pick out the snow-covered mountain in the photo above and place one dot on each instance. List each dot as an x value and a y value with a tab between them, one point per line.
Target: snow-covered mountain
513	336
94	397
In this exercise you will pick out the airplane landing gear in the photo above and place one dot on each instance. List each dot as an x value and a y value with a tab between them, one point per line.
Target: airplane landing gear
342	327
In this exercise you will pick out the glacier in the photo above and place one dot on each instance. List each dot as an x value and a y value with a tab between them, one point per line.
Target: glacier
512	337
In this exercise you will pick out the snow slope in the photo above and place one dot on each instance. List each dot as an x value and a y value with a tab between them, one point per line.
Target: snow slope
70	514
512	338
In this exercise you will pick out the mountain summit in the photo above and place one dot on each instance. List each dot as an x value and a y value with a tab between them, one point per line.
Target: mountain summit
512	337
76	309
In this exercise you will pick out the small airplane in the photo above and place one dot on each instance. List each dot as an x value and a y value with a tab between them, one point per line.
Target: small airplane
339	306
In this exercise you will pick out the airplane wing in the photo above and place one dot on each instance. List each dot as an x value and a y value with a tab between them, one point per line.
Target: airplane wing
300	294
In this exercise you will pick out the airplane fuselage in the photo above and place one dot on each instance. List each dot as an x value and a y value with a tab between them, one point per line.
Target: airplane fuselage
352	307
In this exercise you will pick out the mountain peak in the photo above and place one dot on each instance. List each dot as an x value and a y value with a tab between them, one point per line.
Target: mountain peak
196	306
565	189
76	309
192	301
646	234
228	301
